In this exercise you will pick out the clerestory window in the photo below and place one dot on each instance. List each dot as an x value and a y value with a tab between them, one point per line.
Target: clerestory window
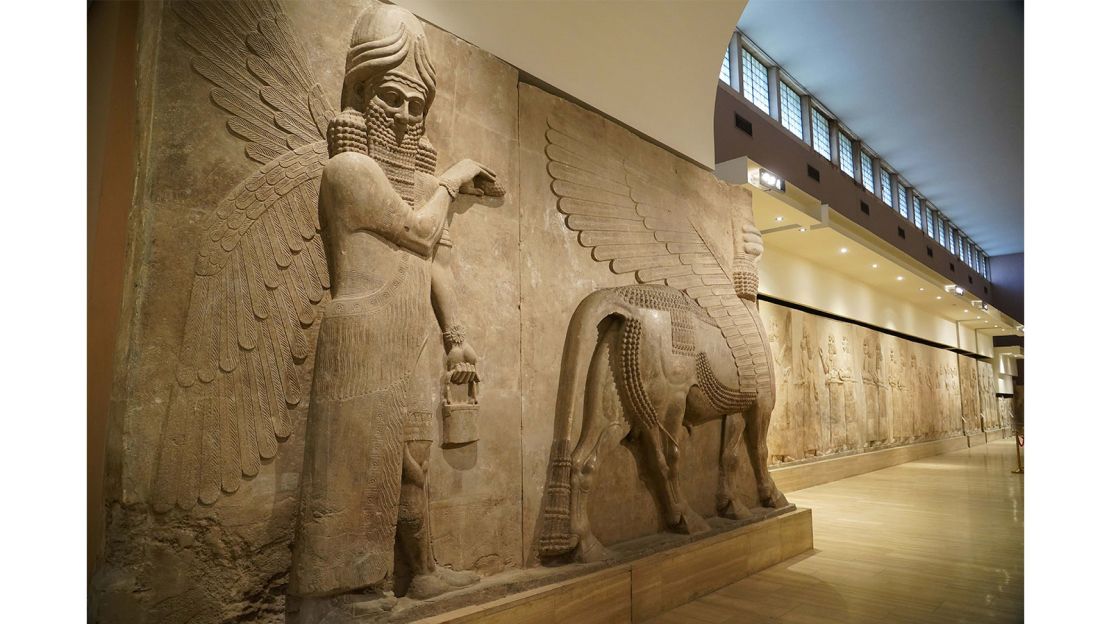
790	109
755	82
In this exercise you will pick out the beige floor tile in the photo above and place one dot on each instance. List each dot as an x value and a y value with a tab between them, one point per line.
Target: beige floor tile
937	540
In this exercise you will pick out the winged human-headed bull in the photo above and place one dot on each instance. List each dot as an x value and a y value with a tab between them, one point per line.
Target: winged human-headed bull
684	346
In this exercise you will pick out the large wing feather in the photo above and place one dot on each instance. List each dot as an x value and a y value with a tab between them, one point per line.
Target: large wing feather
635	225
259	72
260	272
247	336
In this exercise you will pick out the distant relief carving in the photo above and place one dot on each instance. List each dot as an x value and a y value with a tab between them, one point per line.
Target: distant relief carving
843	388
684	346
286	278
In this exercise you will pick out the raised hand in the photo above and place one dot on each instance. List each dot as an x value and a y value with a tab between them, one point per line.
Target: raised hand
472	178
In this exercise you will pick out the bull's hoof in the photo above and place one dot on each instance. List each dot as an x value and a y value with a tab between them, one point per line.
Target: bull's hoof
443	580
775	500
590	550
734	510
690	523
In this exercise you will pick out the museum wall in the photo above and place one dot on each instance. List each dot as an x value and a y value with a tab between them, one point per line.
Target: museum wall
843	388
789	277
601	52
519	273
206	446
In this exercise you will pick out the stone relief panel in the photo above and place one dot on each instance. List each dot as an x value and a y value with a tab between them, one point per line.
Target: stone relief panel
988	397
243	293
1006	413
971	397
603	216
682	347
845	388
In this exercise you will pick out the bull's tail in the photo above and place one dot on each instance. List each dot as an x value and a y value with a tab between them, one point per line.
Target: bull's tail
556	537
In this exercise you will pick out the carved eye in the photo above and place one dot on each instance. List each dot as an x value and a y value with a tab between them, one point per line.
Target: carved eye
416	108
391	98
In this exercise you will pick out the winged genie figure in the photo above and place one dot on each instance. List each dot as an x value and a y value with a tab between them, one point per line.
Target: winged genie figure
331	256
683	346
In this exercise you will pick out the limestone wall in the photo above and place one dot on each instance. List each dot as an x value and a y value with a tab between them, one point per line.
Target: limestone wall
519	274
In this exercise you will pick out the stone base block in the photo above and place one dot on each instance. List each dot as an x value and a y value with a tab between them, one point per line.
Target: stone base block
642	588
795	477
997	434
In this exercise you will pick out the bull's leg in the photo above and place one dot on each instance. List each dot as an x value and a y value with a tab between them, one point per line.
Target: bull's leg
728	505
758	420
602	429
662	457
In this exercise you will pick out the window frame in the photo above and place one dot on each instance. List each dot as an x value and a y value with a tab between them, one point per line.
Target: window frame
886	195
867	179
814	114
746	74
784	84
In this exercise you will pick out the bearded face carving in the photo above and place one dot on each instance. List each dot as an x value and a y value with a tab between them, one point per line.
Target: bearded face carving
387	89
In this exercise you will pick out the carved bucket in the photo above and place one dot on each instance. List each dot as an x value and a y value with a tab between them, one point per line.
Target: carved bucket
460	414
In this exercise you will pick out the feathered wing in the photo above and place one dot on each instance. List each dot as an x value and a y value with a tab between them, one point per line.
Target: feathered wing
260	271
636	226
249	52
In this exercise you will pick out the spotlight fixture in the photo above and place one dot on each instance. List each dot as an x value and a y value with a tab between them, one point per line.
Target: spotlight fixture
778	219
801	229
767	181
957	290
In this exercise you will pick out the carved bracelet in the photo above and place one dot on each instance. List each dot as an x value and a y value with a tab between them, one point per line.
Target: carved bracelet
455	335
453	191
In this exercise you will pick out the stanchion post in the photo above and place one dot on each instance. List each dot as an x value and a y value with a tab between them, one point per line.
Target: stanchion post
1017	447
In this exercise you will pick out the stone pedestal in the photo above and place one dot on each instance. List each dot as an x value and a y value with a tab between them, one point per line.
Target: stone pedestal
642	588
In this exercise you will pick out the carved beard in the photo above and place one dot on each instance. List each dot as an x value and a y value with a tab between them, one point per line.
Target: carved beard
397	161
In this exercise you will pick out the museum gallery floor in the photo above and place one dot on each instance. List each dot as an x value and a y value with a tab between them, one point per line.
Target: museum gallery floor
405	335
936	540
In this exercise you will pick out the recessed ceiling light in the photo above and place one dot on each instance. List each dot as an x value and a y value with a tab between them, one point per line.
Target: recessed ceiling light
779	219
938	296
843	250
900	278
965	311
922	289
874	266
801	229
